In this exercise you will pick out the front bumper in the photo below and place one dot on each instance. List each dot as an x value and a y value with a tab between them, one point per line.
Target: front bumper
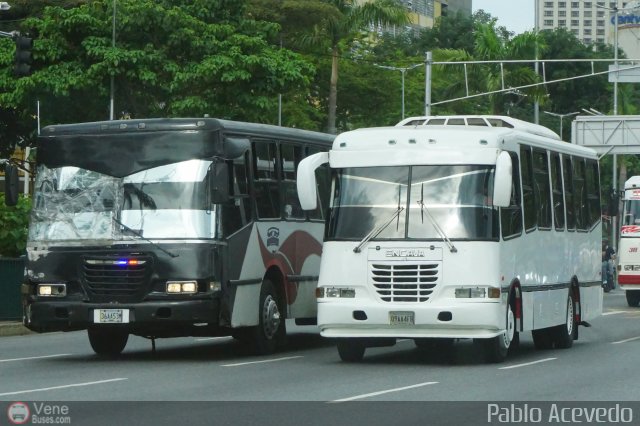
157	318
464	320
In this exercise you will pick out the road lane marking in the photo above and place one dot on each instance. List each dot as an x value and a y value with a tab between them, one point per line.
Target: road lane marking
613	313
33	357
626	340
367	395
204	339
261	362
526	364
73	385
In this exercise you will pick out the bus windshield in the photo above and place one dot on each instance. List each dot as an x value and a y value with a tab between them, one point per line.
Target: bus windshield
456	197
169	201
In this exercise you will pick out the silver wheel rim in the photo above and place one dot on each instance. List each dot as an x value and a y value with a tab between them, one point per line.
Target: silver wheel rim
570	316
270	317
507	336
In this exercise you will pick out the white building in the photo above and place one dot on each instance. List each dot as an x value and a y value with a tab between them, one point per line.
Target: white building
592	21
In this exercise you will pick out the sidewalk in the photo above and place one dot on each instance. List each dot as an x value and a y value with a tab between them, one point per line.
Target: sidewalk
13	328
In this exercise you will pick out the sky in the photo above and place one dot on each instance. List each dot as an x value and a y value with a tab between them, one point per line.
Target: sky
515	15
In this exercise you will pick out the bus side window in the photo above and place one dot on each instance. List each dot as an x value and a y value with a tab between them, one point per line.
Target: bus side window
266	187
593	192
511	217
290	156
567	172
237	212
556	188
528	193
579	194
543	193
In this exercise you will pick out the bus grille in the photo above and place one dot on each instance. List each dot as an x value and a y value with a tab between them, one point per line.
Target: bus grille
404	282
108	276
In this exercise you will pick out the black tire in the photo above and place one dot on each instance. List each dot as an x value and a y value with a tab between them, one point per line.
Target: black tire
497	348
270	333
633	298
564	334
351	350
107	341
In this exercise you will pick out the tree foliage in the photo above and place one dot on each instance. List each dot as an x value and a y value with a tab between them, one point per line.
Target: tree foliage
171	58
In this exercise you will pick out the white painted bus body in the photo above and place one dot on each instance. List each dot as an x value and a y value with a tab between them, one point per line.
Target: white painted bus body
628	255
539	267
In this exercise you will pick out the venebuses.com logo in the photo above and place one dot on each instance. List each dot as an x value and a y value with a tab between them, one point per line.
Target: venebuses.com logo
18	413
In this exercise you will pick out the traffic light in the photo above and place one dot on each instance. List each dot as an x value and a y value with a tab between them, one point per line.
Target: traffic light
23	56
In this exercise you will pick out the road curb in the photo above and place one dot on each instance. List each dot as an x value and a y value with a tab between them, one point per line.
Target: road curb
13	329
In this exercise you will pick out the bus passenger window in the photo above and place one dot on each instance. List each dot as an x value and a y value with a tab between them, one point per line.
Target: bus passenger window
267	192
290	157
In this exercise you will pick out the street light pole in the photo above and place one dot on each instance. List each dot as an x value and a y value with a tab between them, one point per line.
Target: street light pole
561	117
402	70
113	45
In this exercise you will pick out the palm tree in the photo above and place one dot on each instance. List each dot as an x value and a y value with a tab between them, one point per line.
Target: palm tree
491	46
338	30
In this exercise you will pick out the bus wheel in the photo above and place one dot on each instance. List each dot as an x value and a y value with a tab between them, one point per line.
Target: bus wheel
107	342
496	349
271	330
633	298
565	334
350	350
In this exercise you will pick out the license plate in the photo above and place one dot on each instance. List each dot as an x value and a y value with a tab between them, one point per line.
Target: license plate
111	316
401	318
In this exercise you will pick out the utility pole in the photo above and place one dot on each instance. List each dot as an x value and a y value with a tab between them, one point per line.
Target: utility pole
113	45
427	84
402	70
561	117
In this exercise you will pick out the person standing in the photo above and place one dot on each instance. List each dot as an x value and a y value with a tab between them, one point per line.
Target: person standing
608	256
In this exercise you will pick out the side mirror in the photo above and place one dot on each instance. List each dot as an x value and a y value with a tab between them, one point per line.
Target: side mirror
306	179
219	182
10	185
502	184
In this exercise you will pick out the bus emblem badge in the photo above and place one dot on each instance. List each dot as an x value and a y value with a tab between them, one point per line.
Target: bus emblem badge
405	253
273	237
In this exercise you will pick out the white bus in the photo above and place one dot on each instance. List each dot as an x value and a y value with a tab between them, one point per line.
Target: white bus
629	245
172	227
481	228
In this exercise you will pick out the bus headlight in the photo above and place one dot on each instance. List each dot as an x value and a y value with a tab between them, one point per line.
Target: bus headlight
335	292
182	287
477	293
52	290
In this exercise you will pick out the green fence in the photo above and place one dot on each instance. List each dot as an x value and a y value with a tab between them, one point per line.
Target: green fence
11	276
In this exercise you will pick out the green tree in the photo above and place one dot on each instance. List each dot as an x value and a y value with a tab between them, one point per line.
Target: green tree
171	58
493	45
337	31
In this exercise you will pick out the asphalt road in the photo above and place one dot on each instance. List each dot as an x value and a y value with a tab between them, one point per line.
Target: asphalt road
601	366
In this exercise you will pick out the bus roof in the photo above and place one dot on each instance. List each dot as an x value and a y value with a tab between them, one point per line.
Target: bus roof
438	143
480	121
184	124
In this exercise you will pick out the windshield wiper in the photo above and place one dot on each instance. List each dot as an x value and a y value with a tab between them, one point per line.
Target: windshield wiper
138	234
423	210
375	231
